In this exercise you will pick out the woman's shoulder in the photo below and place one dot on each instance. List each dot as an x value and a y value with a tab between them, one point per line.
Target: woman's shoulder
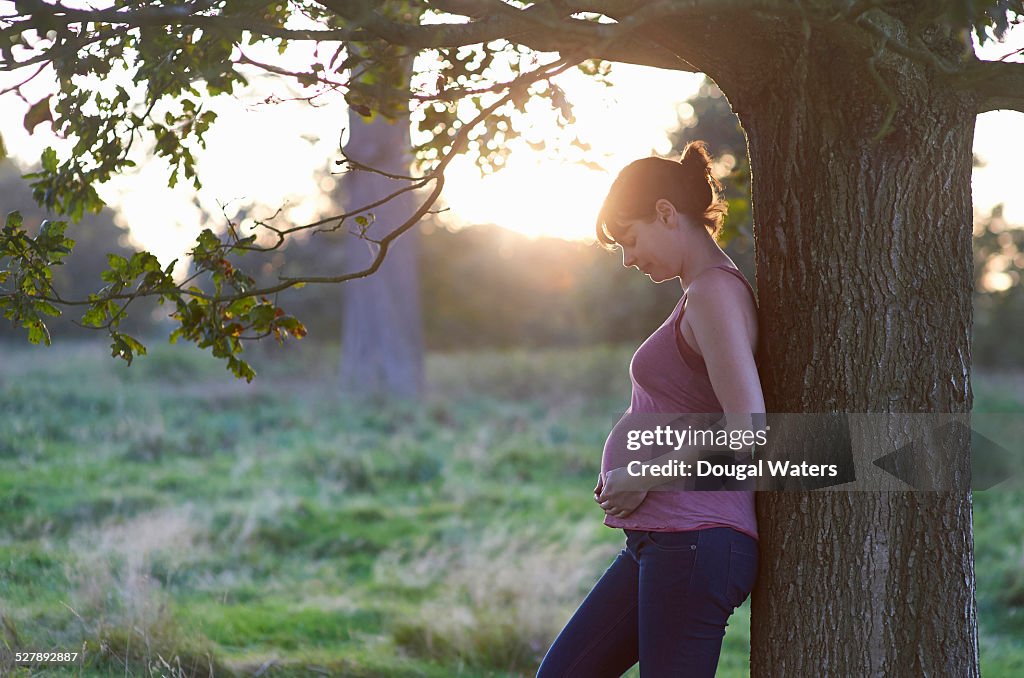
718	282
718	301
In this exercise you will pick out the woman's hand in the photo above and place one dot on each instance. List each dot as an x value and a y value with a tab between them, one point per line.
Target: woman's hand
613	496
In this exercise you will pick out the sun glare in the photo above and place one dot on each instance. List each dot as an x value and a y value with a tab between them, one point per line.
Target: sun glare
546	189
532	196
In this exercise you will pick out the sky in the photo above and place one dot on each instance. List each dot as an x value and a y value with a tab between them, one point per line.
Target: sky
269	155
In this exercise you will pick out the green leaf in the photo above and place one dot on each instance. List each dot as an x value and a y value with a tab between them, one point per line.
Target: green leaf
95	316
240	368
117	262
207	241
125	347
49	160
14	221
47	308
52	229
261	317
144	262
241	306
39	112
37	332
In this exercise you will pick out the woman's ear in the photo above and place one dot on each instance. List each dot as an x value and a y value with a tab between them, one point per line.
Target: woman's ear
665	210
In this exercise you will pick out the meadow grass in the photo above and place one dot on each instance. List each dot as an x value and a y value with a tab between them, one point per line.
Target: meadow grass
168	520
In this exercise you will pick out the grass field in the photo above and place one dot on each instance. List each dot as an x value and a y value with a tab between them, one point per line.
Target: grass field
167	520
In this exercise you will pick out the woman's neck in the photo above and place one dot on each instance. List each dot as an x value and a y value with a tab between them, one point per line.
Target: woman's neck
708	258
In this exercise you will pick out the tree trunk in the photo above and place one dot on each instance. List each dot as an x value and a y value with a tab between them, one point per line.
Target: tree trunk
382	335
864	275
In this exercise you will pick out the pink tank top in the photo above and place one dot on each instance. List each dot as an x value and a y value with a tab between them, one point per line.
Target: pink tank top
670	377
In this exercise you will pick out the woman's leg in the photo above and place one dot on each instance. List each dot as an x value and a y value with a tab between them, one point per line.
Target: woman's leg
601	638
690	583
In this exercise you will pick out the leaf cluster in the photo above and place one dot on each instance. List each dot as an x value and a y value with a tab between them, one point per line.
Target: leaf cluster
25	285
219	321
989	19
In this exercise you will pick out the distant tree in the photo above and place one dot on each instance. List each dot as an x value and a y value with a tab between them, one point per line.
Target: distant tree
998	292
382	329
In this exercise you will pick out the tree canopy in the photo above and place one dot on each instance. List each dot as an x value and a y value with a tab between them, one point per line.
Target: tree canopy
137	72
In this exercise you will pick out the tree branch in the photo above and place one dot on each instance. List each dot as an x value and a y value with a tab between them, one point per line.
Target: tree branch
542	26
894	43
473	9
476	9
183	16
506	22
435	175
997	84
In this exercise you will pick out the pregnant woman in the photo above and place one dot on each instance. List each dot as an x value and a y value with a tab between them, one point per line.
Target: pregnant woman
690	557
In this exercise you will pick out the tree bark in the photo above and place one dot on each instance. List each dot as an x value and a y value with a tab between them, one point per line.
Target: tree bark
864	275
382	329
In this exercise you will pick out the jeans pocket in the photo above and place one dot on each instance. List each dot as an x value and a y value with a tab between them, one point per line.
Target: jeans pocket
742	574
675	541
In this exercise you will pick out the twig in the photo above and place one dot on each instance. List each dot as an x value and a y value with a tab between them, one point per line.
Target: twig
25	81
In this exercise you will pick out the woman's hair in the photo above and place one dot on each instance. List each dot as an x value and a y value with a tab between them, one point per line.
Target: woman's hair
688	184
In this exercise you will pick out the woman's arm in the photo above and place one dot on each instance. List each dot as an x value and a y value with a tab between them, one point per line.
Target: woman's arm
723	318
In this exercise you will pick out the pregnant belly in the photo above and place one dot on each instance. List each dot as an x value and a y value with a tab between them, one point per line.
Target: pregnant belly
636	436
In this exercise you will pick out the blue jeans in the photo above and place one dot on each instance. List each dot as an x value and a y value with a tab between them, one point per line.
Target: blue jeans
664	601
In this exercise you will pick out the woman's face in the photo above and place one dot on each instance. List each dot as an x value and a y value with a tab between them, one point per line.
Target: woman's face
653	247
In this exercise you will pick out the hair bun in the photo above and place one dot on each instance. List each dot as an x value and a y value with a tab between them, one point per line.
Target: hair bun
697	160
